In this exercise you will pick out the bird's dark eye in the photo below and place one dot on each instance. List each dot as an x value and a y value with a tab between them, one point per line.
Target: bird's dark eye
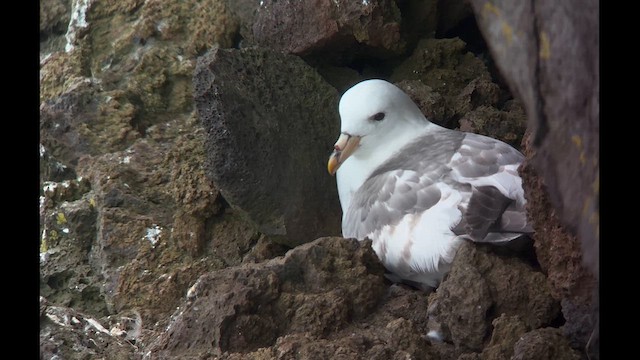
378	117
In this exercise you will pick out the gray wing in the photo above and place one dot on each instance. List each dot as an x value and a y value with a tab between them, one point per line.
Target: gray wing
387	197
405	184
402	185
496	209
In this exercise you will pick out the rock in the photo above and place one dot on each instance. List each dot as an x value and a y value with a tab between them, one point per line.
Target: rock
420	19
68	334
64	130
54	16
52	170
508	126
507	330
329	27
393	331
446	67
480	287
560	256
479	92
543	344
66	275
56	193
271	121
245	11
131	217
451	13
175	21
315	289
431	103
155	230
559	87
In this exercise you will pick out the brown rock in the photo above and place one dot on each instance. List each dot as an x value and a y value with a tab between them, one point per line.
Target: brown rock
508	126
559	87
304	27
314	289
452	73
560	256
395	330
431	103
543	344
482	286
507	330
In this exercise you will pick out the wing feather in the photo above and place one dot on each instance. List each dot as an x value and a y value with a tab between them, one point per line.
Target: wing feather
483	169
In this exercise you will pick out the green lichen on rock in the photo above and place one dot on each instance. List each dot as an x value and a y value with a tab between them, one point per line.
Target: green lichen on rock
60	72
447	69
455	89
508	126
194	25
54	15
133	63
443	64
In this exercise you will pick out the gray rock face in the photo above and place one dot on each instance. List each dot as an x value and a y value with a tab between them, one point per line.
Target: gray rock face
550	58
548	52
315	289
270	122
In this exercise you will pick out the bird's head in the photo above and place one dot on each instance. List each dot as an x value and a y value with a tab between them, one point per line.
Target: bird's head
372	112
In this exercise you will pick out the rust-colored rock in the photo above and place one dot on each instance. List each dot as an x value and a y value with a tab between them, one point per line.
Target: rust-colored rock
304	27
453	88
315	289
543	344
560	256
507	330
480	287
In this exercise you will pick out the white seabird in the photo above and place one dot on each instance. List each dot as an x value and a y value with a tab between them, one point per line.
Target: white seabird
417	189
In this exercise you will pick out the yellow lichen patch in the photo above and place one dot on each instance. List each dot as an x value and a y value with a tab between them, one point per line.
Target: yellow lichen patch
92	202
585	206
490	9
583	158
43	245
507	31
545	47
577	140
61	219
53	236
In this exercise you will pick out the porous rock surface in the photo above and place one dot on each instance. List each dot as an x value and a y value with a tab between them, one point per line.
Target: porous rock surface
145	253
269	117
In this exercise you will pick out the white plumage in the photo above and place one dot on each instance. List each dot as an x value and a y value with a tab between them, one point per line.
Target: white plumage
417	189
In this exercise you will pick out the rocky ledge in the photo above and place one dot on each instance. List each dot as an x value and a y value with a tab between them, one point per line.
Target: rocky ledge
186	212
